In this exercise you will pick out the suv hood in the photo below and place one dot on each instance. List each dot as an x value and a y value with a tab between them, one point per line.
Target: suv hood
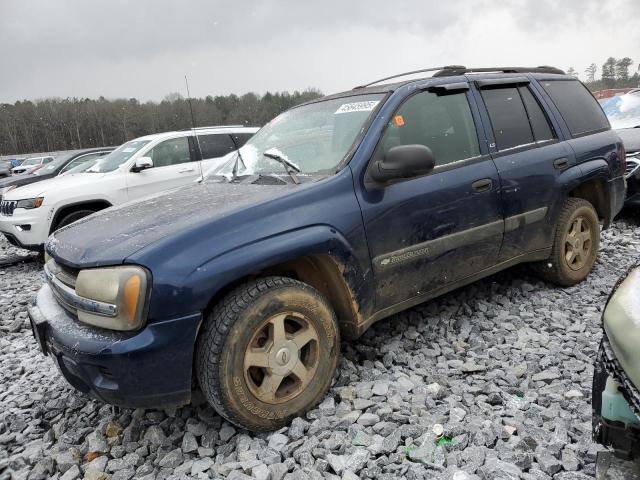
110	236
630	139
56	183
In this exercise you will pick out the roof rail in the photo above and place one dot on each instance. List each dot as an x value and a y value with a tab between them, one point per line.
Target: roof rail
210	128
423	70
452	70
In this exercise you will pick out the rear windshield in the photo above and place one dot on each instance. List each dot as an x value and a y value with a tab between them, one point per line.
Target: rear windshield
581	112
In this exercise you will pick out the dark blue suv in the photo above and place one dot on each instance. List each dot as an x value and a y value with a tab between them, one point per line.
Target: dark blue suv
338	213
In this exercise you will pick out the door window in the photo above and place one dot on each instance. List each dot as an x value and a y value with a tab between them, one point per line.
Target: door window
215	145
508	117
170	152
441	122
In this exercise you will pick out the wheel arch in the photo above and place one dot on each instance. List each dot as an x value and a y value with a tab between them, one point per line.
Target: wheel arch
61	212
596	192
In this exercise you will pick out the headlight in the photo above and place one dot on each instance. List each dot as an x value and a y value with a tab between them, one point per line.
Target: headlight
30	203
622	325
125	287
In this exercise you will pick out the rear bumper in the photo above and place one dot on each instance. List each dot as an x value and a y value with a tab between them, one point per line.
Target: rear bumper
144	369
617	194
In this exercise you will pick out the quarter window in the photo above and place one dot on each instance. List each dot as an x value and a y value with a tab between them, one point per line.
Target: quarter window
578	108
441	122
170	152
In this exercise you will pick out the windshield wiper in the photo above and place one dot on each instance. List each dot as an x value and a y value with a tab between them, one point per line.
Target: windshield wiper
288	166
234	171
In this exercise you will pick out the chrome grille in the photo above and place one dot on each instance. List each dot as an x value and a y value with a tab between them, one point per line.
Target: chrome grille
7	207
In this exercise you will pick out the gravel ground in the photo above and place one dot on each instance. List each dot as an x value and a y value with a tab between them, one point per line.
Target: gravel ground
500	369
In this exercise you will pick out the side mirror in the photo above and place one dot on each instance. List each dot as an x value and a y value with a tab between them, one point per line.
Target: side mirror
403	161
142	163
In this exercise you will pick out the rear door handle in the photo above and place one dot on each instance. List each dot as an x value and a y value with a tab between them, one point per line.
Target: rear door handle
483	185
185	170
561	163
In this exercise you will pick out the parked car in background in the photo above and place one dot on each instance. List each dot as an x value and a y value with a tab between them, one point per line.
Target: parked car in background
136	169
60	165
336	214
5	168
623	112
31	164
616	378
16	161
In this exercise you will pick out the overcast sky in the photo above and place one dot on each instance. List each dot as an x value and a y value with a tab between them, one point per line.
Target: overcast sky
143	48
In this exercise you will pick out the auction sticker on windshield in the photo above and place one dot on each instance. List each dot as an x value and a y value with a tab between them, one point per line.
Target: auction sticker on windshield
357	107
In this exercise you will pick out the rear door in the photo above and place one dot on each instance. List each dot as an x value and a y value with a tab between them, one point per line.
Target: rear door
174	165
530	157
430	231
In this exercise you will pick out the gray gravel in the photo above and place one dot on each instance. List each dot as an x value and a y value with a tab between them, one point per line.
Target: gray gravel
489	382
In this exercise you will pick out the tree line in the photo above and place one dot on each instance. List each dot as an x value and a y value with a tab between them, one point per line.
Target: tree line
613	73
73	123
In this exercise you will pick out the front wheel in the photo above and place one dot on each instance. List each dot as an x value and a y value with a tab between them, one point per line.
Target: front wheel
268	352
575	246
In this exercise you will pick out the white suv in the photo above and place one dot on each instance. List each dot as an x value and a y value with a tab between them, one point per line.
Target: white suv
138	168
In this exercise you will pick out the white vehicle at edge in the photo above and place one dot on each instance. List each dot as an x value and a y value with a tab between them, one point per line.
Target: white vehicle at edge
140	167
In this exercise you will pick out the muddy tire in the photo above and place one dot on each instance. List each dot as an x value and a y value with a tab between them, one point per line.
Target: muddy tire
72	217
267	352
575	245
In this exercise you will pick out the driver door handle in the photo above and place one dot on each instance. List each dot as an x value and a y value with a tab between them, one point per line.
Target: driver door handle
483	185
185	170
561	163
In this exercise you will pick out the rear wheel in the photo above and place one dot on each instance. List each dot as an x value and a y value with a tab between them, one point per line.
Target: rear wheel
72	217
268	352
575	246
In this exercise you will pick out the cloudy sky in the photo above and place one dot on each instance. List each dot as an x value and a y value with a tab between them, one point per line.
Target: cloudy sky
143	48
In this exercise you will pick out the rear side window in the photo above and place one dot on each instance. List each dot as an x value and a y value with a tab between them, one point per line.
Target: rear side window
215	145
580	110
241	138
508	117
441	122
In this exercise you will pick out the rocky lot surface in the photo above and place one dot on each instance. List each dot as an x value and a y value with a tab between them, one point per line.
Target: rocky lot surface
491	381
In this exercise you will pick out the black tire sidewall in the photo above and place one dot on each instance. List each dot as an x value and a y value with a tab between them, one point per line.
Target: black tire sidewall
236	394
73	217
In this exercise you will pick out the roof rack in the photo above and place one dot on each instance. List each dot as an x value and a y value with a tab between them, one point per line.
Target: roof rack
452	70
210	128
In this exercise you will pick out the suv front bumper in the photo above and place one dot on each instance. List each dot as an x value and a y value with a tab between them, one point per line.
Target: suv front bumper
26	228
144	369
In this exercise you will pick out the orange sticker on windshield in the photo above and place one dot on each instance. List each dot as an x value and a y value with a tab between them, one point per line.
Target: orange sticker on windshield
399	119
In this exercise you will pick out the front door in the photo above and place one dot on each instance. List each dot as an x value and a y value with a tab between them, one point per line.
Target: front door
173	166
427	232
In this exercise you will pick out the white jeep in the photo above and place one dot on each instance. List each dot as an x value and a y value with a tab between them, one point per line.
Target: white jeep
140	167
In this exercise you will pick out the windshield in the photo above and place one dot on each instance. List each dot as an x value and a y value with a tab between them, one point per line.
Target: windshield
53	165
120	155
31	161
313	139
623	111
